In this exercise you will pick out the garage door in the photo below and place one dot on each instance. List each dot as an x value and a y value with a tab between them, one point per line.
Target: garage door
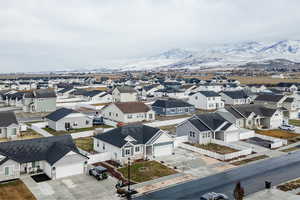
232	137
69	170
163	149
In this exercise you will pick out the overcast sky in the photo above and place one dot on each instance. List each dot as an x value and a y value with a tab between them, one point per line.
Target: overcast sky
39	35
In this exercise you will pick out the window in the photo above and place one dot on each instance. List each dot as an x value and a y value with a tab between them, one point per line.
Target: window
150	116
196	97
6	171
0	130
117	115
33	164
97	143
186	110
74	123
127	152
129	116
87	122
103	146
109	113
137	149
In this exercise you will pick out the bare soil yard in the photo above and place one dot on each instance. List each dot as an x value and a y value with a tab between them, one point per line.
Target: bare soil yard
245	161
277	133
220	149
15	190
292	185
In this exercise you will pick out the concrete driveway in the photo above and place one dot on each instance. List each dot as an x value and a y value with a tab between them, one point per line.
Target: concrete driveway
194	164
74	187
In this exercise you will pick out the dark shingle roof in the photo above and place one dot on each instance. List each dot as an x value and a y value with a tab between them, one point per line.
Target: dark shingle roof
50	149
212	120
7	118
171	103
141	133
239	94
126	89
246	110
132	107
289	100
41	93
92	93
60	113
269	97
209	93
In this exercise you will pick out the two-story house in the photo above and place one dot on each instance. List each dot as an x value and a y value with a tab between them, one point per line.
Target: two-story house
41	100
9	126
235	97
171	107
128	112
124	94
206	100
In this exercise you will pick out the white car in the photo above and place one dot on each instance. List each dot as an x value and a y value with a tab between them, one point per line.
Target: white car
287	127
214	196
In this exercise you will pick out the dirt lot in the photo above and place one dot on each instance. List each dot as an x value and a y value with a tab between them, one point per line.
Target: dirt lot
85	143
215	148
277	133
15	190
290	185
29	134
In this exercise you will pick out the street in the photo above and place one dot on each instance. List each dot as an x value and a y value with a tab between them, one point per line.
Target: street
252	177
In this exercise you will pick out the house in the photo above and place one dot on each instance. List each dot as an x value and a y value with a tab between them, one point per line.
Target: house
65	119
171	107
253	116
204	128
210	87
235	97
206	100
65	92
149	90
135	142
124	94
128	112
41	100
288	87
256	88
9	126
170	92
97	96
287	104
56	156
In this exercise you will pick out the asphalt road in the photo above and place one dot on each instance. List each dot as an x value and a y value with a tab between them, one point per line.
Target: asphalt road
252	177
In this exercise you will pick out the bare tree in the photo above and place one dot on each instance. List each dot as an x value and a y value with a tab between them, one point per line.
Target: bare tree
238	192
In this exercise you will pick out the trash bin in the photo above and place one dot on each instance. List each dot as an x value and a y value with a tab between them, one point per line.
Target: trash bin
268	184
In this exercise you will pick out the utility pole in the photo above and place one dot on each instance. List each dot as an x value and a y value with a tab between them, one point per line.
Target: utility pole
128	174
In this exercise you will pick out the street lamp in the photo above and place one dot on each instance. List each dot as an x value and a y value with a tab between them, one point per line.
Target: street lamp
128	174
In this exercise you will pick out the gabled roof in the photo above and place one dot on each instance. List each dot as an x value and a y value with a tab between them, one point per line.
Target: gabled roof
67	89
141	133
212	120
60	113
41	93
7	118
284	84
50	149
246	110
171	103
289	100
209	93
126	89
92	93
132	107
238	94
269	97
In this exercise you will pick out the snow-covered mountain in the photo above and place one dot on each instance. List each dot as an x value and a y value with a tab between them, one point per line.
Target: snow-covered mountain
229	55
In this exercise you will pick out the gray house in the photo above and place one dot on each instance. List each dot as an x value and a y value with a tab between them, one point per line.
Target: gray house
56	156
65	119
42	100
9	126
135	142
170	107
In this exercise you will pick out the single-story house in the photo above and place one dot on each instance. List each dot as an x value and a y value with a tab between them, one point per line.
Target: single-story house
135	142
56	156
170	107
206	100
65	119
128	112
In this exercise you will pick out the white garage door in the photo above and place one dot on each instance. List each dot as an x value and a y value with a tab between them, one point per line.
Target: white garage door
163	149
232	137
69	170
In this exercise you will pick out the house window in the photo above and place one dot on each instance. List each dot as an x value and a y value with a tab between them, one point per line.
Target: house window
109	113
6	171
33	164
97	143
186	110
0	130
150	117
196	97
87	122
74	123
103	146
127	152
129	116
137	149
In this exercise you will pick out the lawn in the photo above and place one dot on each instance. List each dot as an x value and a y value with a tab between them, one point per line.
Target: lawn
54	132
146	170
290	149
85	143
277	133
170	128
245	161
220	149
15	190
292	185
294	122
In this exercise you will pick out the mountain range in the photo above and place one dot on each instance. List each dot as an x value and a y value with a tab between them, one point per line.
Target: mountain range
228	55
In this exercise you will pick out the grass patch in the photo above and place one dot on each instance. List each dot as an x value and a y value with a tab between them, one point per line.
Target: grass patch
170	128
220	149
245	161
85	143
294	122
290	149
54	132
29	134
277	133
146	170
16	190
292	185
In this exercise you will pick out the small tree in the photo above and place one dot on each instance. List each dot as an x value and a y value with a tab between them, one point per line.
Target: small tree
238	192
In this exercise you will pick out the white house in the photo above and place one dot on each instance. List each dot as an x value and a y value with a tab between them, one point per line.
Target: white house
135	142
128	112
206	100
210	87
65	119
124	94
9	126
97	96
56	156
235	97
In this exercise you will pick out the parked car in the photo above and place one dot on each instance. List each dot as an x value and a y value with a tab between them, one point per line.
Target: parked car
98	121
98	172
214	196
287	127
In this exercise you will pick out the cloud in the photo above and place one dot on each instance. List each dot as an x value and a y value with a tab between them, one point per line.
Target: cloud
47	35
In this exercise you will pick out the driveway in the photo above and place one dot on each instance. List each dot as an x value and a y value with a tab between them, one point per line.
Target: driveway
194	164
74	187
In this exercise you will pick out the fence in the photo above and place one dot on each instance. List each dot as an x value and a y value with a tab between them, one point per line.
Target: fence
223	157
276	142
